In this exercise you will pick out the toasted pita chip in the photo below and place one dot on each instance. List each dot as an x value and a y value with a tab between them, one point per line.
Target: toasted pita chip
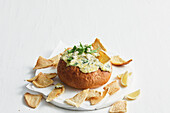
95	100
103	58
32	100
119	107
55	60
112	87
98	45
117	61
43	63
50	75
32	79
58	90
78	98
93	94
42	81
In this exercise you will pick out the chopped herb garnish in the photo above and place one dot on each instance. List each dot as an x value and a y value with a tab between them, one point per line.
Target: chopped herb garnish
69	51
85	61
74	48
85	50
75	64
69	59
82	49
93	51
81	45
88	46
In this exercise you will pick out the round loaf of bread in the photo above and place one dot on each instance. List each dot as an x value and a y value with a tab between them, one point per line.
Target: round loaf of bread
72	76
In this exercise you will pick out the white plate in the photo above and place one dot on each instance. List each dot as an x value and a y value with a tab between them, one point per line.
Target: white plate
70	92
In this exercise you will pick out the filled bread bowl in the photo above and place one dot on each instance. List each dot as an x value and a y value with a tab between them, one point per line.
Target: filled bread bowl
84	67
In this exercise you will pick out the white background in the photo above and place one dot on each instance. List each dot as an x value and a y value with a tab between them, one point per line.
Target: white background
138	29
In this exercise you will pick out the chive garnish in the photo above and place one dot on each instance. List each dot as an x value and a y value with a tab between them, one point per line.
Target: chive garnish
82	49
75	64
69	59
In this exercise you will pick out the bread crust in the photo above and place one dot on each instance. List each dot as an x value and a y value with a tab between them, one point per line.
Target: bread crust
72	76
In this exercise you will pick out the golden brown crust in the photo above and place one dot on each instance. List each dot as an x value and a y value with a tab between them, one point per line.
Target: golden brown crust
72	76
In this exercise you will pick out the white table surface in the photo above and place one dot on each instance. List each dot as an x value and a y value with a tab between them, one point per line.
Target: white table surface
138	29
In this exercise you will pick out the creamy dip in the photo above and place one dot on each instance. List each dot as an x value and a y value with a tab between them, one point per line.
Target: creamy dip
87	62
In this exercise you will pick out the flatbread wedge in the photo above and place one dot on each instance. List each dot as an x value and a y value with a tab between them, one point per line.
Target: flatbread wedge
112	87
58	90
103	57
32	79
48	75
32	100
93	94
98	45
78	99
43	63
119	107
117	61
42	81
95	100
55	60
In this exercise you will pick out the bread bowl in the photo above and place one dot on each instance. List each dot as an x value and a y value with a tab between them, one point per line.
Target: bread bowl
83	69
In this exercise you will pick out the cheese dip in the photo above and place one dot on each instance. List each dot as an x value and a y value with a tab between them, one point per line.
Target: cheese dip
85	58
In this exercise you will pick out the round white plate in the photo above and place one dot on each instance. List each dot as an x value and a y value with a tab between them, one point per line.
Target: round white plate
70	92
